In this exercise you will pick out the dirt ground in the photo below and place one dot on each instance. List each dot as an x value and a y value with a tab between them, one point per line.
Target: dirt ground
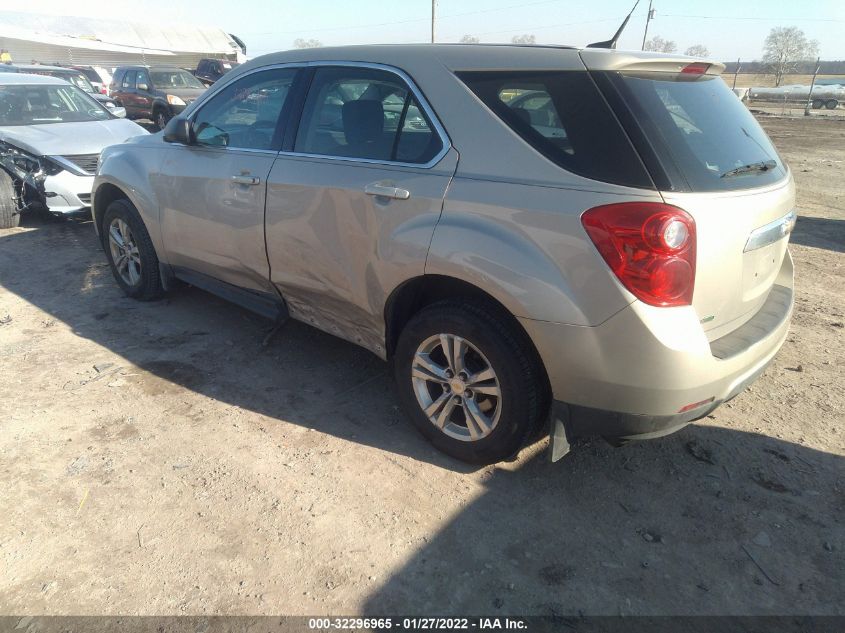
158	459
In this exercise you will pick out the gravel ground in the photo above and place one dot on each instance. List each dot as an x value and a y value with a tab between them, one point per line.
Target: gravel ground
158	459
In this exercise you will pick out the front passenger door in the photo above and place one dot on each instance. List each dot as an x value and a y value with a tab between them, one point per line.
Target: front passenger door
212	206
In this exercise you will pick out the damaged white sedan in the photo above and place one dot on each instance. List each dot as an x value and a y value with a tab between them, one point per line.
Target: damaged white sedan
51	137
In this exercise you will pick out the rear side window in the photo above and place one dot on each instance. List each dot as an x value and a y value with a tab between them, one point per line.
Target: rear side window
368	114
700	134
563	116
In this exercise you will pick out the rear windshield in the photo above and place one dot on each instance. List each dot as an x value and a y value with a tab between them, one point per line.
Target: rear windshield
563	116
695	130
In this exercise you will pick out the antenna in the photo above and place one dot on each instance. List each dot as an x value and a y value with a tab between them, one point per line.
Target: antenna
611	43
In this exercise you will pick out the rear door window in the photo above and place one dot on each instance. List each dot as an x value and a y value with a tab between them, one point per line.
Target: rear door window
562	115
367	114
701	135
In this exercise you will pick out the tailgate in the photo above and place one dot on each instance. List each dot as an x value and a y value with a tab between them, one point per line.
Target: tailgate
741	243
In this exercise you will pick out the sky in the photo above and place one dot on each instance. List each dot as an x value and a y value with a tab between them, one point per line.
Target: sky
730	29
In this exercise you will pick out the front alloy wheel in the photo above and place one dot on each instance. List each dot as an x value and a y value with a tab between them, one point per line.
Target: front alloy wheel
124	252
130	251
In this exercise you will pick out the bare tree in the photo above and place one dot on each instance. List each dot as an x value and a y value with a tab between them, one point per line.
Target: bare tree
697	50
301	43
524	39
469	39
660	45
785	47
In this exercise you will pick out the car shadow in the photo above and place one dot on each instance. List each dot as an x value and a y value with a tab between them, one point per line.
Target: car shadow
827	233
706	521
205	344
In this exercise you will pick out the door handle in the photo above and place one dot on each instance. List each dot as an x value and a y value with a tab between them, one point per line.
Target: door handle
383	191
246	180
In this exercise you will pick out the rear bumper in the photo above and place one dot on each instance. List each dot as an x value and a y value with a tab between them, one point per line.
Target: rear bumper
638	374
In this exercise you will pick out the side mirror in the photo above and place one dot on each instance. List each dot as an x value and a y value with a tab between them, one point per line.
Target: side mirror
119	112
179	130
142	87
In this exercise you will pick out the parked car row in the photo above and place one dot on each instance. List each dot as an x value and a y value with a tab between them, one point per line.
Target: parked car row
460	220
73	75
146	92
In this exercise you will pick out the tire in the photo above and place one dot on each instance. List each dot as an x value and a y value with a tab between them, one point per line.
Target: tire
135	264
10	216
818	104
831	104
161	116
490	339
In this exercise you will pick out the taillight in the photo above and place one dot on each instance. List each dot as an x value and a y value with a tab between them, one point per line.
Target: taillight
649	246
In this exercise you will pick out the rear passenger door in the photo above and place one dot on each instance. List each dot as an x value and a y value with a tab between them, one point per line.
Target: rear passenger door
353	200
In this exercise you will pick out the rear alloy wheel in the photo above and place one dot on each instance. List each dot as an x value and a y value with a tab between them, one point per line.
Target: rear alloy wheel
456	387
818	104
470	381
130	252
10	215
831	104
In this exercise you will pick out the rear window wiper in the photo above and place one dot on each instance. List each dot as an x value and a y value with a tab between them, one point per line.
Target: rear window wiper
763	165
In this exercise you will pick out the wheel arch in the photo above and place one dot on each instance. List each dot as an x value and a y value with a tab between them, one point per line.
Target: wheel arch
419	292
103	196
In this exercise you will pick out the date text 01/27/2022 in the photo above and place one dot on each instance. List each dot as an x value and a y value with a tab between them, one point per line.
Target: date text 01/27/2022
417	624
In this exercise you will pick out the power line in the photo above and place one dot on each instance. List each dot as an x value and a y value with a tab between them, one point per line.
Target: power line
410	21
728	17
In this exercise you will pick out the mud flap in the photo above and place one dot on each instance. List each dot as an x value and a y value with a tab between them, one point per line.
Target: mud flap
558	435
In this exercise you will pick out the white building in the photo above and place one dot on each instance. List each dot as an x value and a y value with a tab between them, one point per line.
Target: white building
73	40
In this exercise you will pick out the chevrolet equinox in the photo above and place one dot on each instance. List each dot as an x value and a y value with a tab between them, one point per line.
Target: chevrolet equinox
590	239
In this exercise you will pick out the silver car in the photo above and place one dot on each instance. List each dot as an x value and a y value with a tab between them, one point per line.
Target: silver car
51	136
589	239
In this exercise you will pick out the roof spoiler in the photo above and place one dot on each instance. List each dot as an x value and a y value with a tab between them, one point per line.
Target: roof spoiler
611	43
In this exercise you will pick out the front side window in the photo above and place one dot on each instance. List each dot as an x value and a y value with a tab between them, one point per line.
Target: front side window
129	79
365	113
246	113
40	105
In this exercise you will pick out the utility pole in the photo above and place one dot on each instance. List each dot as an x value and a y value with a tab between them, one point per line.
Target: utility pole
812	87
648	18
433	16
736	72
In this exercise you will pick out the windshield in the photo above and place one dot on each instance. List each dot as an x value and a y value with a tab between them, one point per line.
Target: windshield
704	138
174	79
40	105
